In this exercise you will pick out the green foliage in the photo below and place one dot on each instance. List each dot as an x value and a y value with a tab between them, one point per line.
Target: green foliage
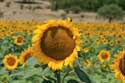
76	9
121	3
106	2
82	75
84	5
76	4
33	72
7	44
111	12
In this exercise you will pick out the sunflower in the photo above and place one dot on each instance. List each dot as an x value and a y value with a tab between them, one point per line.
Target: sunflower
111	43
86	42
118	42
119	35
114	35
85	50
87	63
97	42
19	40
25	55
10	62
119	67
104	55
101	34
56	43
104	41
86	34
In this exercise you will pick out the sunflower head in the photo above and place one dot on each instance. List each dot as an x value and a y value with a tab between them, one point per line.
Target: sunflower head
85	50
56	43
118	42
86	34
111	43
119	35
104	55
100	33
119	67
25	55
10	62
87	63
97	42
19	40
104	41
86	42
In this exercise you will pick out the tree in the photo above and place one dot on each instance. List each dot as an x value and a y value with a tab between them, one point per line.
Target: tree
122	3
111	12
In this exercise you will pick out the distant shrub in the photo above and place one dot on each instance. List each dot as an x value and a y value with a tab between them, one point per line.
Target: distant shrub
111	12
75	9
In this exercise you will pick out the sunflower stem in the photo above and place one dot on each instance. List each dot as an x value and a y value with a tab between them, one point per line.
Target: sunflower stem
57	74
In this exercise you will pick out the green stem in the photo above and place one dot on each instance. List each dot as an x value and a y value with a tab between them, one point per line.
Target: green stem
57	74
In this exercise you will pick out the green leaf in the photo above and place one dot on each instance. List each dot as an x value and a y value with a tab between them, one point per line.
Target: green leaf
3	71
31	61
32	72
18	81
72	81
82	75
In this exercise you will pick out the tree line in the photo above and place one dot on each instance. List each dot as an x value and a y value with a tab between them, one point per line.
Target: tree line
84	5
111	9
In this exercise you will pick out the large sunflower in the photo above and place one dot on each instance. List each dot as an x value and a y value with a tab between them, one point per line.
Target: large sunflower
25	55
119	67
104	55
56	43
10	62
19	40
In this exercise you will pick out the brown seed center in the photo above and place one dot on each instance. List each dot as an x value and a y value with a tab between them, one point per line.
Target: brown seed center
11	61
57	42
122	66
20	39
104	56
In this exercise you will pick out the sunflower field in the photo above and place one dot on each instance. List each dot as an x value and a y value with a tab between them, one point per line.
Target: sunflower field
61	51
